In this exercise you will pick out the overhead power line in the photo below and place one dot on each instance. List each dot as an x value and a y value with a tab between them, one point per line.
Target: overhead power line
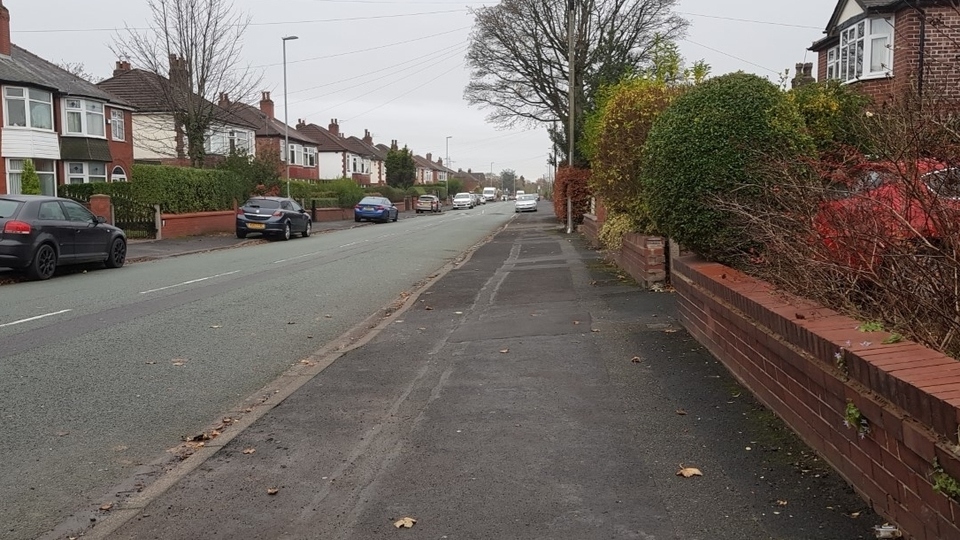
753	21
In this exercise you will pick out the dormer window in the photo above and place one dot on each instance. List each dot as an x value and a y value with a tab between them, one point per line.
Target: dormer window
28	107
84	118
865	51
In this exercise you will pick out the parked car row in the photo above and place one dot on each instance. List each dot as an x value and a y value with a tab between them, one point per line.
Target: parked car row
279	217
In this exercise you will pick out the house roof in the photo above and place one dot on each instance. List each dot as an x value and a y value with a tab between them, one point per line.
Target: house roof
325	139
267	126
359	147
149	92
381	150
24	67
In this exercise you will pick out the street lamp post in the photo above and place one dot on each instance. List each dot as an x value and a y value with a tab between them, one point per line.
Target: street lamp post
446	181
286	123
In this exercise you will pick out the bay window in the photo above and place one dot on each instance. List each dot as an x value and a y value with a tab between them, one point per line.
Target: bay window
865	51
28	107
84	118
45	170
310	157
80	172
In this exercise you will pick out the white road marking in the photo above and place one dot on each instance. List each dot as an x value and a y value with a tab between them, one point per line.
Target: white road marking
188	282
35	318
350	244
298	257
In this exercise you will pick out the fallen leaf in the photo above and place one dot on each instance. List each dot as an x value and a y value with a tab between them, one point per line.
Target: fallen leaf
854	514
681	412
179	361
576	322
405	523
106	507
428	308
781	502
328	316
249	451
635	360
150	362
458	313
670	330
273	491
291	322
687	472
307	362
504	351
800	316
216	326
594	329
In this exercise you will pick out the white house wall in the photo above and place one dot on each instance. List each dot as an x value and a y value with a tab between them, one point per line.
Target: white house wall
852	9
29	143
331	165
154	136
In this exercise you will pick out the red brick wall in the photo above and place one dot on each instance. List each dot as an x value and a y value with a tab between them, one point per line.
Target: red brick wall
784	353
590	229
270	146
122	151
198	223
333	214
643	258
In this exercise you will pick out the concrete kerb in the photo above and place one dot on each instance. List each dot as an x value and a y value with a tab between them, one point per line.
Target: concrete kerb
99	524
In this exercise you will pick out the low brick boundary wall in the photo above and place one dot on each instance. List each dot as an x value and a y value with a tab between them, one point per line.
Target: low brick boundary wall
643	258
333	214
590	229
198	223
784	352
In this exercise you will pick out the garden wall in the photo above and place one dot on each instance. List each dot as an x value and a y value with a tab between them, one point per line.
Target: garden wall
806	363
198	223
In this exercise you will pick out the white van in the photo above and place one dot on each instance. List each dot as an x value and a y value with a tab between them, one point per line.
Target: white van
519	193
489	194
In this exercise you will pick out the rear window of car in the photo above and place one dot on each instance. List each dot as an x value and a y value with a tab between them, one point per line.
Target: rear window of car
527	197
8	207
262	203
371	200
427	198
462	196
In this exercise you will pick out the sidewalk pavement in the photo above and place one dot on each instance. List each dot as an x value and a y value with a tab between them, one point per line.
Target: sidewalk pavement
531	392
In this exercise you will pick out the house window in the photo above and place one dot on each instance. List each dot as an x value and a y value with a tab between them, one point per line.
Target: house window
117	127
298	154
84	118
45	170
238	141
118	175
865	51
28	107
353	165
79	172
310	157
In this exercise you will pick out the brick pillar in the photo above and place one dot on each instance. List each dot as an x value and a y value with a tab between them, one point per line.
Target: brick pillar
100	206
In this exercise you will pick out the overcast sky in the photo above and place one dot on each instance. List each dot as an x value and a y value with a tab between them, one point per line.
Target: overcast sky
396	67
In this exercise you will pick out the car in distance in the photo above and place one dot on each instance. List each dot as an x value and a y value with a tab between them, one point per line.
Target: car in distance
374	208
525	203
428	203
39	233
463	200
280	217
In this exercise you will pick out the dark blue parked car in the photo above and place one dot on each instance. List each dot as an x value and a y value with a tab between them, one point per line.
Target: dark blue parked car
375	209
274	216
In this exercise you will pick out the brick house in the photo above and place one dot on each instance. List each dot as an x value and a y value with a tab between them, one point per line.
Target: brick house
159	139
72	131
885	48
272	136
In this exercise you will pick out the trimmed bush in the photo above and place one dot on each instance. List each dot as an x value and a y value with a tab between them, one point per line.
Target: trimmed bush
712	142
29	179
571	182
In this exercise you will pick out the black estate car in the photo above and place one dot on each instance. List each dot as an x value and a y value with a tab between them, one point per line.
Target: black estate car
39	233
275	216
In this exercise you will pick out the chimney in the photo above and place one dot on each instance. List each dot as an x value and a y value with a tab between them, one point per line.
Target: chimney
224	100
393	145
440	162
301	123
4	30
266	105
179	73
804	75
430	157
334	126
122	67
367	138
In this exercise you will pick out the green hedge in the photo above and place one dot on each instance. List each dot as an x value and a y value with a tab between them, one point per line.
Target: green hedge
178	190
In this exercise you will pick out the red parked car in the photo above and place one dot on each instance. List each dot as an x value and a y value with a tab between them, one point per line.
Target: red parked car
888	209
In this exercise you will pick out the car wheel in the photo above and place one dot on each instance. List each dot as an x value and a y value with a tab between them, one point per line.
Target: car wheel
241	234
396	217
418	211
286	231
356	219
118	253
307	230
44	263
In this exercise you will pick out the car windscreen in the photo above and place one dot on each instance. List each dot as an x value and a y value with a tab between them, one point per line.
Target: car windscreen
262	203
8	207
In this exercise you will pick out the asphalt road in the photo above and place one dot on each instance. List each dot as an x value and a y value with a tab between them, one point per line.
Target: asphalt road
104	372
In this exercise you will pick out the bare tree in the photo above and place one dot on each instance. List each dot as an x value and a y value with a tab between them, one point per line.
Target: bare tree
520	62
198	43
80	70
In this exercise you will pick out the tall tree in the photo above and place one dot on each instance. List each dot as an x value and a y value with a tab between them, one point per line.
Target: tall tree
508	179
29	179
520	61
401	170
197	43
